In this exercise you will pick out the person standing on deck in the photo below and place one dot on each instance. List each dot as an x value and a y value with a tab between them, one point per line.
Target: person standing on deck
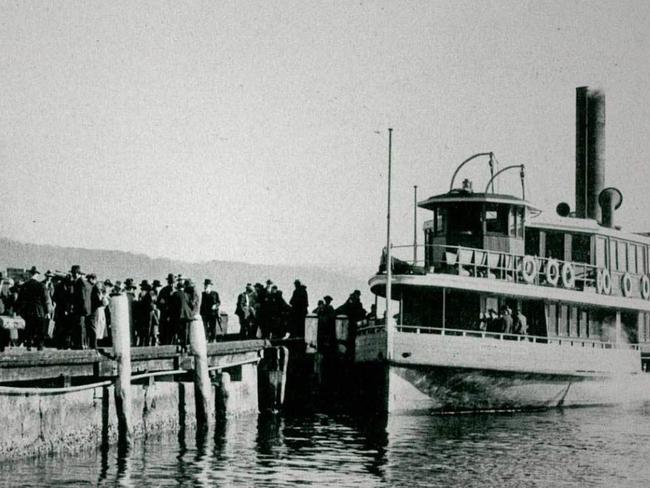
520	322
299	306
506	320
35	307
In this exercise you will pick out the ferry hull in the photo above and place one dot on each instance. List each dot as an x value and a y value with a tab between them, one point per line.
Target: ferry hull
439	373
412	388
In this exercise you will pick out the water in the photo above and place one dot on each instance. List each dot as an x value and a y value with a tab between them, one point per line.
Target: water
572	447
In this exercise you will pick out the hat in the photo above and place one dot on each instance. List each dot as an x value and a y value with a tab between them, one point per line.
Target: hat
91	276
145	285
207	282
156	283
327	298
34	271
108	283
75	269
269	282
296	282
171	277
49	274
128	282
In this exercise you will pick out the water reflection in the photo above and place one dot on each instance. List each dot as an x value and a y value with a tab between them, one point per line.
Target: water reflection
594	447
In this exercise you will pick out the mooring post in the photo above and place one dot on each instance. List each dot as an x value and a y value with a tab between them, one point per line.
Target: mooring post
272	377
121	333
202	384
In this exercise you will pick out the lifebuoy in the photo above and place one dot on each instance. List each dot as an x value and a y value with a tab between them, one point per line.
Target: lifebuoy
528	269
568	275
645	287
603	282
626	284
552	272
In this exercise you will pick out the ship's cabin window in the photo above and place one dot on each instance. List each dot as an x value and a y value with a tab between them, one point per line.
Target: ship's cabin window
532	242
581	248
555	245
601	252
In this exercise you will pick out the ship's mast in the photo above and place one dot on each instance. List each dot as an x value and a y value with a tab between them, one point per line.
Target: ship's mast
389	260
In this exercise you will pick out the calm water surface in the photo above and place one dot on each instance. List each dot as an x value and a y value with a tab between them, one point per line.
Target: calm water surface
576	447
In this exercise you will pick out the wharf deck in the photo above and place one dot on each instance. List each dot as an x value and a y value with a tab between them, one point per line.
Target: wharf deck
19	365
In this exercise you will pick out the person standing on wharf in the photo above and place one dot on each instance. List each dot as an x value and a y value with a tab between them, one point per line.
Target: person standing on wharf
35	307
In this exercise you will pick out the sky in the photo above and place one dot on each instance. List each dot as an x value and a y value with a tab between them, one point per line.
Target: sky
257	131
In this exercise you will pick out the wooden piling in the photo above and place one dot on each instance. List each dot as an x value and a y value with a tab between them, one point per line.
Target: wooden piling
121	334
202	384
272	378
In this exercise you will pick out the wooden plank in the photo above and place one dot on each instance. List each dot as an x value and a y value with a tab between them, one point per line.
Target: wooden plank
45	372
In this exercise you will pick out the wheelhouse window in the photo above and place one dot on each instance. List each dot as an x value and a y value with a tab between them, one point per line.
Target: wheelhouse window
439	221
498	219
464	219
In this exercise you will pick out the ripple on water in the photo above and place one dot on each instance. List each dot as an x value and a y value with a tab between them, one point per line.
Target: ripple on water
581	447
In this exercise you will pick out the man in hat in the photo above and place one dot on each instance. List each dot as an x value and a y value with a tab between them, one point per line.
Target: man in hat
35	307
95	308
210	311
299	307
189	301
80	307
141	310
244	311
326	327
164	302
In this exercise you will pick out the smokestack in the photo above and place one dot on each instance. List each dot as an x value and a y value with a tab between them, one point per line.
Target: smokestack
590	151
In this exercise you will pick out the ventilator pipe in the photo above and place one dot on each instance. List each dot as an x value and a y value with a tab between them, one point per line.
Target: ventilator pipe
522	175
490	162
610	199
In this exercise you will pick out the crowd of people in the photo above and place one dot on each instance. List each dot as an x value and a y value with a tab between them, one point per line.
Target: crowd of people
72	310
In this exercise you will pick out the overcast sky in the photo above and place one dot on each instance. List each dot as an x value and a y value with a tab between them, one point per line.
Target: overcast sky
256	131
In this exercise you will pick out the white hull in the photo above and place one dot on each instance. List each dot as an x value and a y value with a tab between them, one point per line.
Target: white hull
459	373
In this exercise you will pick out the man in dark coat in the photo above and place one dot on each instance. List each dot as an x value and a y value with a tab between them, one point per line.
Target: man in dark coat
210	311
164	304
299	306
63	301
35	307
245	311
190	302
81	307
95	303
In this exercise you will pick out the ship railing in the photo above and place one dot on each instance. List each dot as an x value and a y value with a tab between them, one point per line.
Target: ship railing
482	263
561	341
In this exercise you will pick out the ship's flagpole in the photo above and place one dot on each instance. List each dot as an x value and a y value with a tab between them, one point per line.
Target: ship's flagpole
389	259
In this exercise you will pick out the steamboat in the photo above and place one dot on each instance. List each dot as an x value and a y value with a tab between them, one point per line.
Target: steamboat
581	283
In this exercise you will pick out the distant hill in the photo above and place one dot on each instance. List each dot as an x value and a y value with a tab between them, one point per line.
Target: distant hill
229	277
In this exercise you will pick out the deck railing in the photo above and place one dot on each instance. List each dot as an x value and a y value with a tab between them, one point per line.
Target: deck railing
482	263
560	341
